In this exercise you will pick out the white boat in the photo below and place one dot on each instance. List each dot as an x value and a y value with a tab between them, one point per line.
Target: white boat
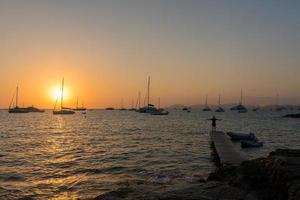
63	110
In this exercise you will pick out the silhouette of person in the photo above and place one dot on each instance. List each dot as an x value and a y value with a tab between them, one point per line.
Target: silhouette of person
214	123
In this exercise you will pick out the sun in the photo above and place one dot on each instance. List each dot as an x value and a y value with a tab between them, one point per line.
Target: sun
56	93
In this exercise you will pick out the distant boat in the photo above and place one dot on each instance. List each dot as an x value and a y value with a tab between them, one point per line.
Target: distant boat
109	108
34	109
240	107
255	109
206	108
187	109
220	109
160	111
278	107
82	108
16	109
63	110
132	107
122	107
149	108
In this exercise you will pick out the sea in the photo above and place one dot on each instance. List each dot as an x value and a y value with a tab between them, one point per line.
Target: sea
82	156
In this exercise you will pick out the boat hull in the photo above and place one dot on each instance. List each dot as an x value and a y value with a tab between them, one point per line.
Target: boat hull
63	112
17	110
241	136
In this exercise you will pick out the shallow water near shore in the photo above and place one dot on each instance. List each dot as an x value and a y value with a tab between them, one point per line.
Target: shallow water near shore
43	156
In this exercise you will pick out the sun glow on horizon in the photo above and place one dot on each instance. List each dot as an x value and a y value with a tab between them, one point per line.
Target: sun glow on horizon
56	93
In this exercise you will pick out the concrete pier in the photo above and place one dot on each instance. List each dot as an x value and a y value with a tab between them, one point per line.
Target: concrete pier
225	150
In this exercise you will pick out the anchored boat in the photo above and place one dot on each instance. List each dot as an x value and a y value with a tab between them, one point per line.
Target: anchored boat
63	110
16	109
206	108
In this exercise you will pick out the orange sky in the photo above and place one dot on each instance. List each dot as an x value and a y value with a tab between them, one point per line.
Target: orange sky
105	51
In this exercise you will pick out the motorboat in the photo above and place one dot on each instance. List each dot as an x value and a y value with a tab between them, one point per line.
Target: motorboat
241	136
251	144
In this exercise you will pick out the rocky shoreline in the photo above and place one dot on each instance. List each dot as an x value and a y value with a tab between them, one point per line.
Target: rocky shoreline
276	177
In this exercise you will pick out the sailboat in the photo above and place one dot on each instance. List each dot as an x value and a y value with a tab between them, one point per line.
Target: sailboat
138	102
149	108
277	106
206	108
82	108
160	111
240	107
220	109
16	109
63	110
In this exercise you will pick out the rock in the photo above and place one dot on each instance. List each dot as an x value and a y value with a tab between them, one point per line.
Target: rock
276	177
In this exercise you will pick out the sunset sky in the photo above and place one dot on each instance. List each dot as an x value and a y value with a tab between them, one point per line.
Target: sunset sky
106	49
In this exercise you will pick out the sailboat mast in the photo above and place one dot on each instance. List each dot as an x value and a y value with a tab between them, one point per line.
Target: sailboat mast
62	93
219	100
241	100
77	103
148	95
17	96
139	100
158	102
206	100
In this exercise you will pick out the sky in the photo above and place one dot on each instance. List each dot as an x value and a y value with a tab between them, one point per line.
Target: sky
106	49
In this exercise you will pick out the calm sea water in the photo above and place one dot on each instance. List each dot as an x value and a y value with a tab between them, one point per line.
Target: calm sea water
82	156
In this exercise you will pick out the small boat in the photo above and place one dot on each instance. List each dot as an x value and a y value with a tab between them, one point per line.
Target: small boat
255	109
63	110
187	109
240	107
241	136
220	109
82	108
109	108
149	108
245	110
34	109
250	144
16	109
160	112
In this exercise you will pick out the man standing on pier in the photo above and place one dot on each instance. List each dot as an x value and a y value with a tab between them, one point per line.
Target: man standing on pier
214	123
